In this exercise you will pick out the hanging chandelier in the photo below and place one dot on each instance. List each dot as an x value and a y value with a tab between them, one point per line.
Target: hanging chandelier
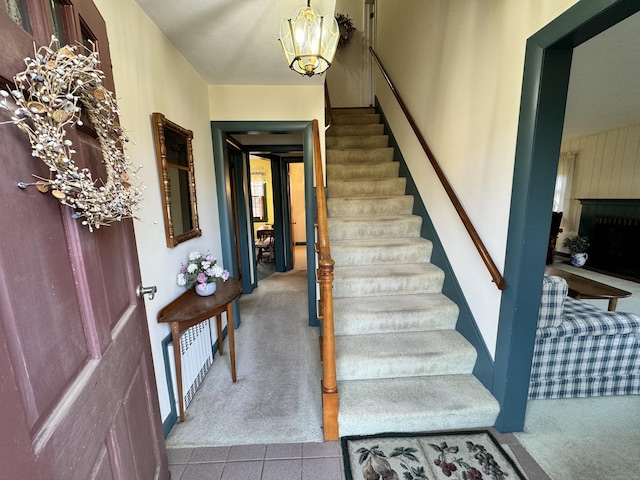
309	40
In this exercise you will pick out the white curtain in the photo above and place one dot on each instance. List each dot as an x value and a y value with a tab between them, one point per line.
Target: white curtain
564	181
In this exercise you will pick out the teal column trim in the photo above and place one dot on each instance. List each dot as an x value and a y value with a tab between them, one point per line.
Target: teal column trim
172	418
218	132
466	324
227	231
278	213
546	74
311	213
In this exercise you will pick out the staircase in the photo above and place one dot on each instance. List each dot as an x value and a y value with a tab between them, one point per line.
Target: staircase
400	363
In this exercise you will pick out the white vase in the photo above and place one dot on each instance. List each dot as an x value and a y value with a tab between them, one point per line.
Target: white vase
579	259
210	289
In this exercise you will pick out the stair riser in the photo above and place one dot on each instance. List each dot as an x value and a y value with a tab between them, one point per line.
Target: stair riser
366	188
359	156
351	142
451	402
409	322
343	130
352	367
338	111
358	119
366	170
340	229
367	287
353	206
414	354
355	255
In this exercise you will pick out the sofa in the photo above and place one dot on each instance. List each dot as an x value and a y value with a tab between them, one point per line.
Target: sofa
582	351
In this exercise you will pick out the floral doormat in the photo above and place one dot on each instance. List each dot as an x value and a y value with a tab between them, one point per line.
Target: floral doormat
470	455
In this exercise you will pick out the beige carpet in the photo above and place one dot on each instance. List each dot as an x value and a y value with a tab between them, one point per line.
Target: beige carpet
594	438
267	404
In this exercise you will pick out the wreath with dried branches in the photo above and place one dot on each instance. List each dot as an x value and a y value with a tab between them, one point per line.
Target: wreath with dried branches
47	99
346	28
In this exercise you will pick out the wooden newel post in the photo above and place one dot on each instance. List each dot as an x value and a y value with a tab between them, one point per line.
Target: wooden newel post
329	382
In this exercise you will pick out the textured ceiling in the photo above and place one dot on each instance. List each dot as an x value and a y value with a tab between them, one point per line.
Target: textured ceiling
232	42
235	42
604	88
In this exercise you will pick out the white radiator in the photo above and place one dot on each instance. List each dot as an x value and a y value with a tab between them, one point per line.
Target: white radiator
195	349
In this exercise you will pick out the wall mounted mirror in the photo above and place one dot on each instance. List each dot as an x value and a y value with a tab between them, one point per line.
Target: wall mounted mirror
177	180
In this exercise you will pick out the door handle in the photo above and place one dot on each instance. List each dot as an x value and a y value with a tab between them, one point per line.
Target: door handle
150	291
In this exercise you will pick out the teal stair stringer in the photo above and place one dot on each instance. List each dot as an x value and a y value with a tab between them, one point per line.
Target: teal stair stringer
466	324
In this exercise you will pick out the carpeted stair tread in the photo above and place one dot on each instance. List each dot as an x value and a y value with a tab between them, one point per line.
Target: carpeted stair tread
352	110
405	354
379	251
370	206
396	226
356	118
364	129
414	404
373	280
362	170
402	313
367	187
371	155
400	363
347	142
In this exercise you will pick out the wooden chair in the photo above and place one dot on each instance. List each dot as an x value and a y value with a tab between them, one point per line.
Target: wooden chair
556	218
265	246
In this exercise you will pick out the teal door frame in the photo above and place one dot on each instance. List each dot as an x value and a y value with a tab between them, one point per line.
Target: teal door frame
219	132
544	94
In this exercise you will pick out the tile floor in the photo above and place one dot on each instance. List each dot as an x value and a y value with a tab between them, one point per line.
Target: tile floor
294	461
290	461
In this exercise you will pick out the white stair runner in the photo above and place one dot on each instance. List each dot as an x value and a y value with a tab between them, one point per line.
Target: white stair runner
401	365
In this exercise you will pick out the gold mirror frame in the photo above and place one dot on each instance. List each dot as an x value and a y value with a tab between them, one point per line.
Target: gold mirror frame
175	167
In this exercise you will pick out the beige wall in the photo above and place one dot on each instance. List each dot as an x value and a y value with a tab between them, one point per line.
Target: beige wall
266	102
607	166
344	77
459	65
260	164
151	76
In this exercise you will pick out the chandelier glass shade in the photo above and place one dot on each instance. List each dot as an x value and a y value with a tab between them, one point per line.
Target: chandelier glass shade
309	41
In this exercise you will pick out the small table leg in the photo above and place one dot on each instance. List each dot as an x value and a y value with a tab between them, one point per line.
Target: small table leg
219	328
175	336
232	347
613	303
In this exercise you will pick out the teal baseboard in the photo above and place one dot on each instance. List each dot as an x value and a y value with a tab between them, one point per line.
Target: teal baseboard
172	418
466	325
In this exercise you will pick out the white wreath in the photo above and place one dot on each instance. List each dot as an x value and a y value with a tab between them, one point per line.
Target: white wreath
47	99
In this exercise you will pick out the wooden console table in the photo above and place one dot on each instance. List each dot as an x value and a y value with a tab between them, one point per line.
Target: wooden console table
190	309
582	288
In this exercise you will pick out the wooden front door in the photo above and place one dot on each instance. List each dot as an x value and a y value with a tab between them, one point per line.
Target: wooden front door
77	388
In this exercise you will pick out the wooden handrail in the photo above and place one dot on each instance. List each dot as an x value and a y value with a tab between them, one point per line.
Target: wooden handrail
325	279
475	238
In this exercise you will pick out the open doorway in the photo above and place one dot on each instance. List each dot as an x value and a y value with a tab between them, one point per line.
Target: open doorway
544	96
297	212
280	142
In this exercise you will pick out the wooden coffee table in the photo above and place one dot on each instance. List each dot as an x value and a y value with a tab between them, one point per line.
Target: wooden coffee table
582	288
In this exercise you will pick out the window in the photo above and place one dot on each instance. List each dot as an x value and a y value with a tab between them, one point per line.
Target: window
259	201
17	10
58	18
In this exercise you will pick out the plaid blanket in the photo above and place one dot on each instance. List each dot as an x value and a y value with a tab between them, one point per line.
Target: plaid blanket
582	351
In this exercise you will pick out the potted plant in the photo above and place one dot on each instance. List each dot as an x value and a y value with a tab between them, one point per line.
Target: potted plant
577	245
201	272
